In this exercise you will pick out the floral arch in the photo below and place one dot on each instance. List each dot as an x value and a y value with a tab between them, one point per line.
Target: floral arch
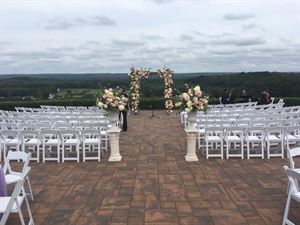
135	85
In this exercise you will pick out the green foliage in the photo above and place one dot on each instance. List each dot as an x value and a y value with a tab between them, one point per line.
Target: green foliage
82	89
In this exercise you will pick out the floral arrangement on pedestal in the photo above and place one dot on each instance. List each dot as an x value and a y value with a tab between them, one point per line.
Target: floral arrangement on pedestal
135	85
192	100
112	100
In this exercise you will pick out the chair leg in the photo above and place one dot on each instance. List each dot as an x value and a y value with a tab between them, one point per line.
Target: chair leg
20	212
29	212
227	150
37	153
58	153
287	207
206	149
83	152
77	152
30	189
99	152
248	150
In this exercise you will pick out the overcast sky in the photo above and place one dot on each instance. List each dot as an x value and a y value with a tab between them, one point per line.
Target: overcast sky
56	36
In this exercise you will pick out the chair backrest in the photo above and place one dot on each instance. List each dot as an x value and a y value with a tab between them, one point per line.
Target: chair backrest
10	134
69	134
294	177
49	134
29	134
90	133
255	131
18	190
294	152
16	156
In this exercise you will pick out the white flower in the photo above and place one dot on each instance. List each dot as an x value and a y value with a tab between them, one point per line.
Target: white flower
105	91
198	93
185	96
121	107
100	105
105	106
177	104
204	101
189	104
187	110
197	88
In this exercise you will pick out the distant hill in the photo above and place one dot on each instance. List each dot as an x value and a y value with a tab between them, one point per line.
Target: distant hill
113	76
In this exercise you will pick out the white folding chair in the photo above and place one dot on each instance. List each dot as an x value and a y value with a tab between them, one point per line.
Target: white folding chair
12	176
31	142
255	139
294	193
50	140
214	142
11	140
13	203
274	139
292	153
91	139
292	136
234	136
70	139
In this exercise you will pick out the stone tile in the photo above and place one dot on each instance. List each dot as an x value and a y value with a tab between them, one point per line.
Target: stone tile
154	185
161	216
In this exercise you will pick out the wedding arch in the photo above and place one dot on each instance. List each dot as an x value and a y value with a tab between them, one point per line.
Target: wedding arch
135	85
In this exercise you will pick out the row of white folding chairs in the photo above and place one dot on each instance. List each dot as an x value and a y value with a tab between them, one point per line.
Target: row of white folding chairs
53	120
68	108
258	122
60	142
244	111
56	126
258	116
253	136
236	105
53	114
267	107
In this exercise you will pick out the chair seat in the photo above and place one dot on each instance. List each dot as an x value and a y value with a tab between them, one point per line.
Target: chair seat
291	137
233	138
253	138
12	141
213	138
91	141
296	196
201	131
33	141
4	203
273	138
52	142
72	141
12	178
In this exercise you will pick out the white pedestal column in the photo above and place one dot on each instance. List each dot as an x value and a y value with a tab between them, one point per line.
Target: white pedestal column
191	135
114	134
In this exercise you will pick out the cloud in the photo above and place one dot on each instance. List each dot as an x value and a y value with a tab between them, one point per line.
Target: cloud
161	1
152	37
252	26
61	23
248	41
185	37
127	42
240	16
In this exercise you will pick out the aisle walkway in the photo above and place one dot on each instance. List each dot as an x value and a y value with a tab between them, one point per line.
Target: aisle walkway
153	185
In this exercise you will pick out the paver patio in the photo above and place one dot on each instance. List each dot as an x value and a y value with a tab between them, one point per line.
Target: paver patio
153	185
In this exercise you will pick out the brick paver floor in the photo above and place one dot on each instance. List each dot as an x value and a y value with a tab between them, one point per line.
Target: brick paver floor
153	185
